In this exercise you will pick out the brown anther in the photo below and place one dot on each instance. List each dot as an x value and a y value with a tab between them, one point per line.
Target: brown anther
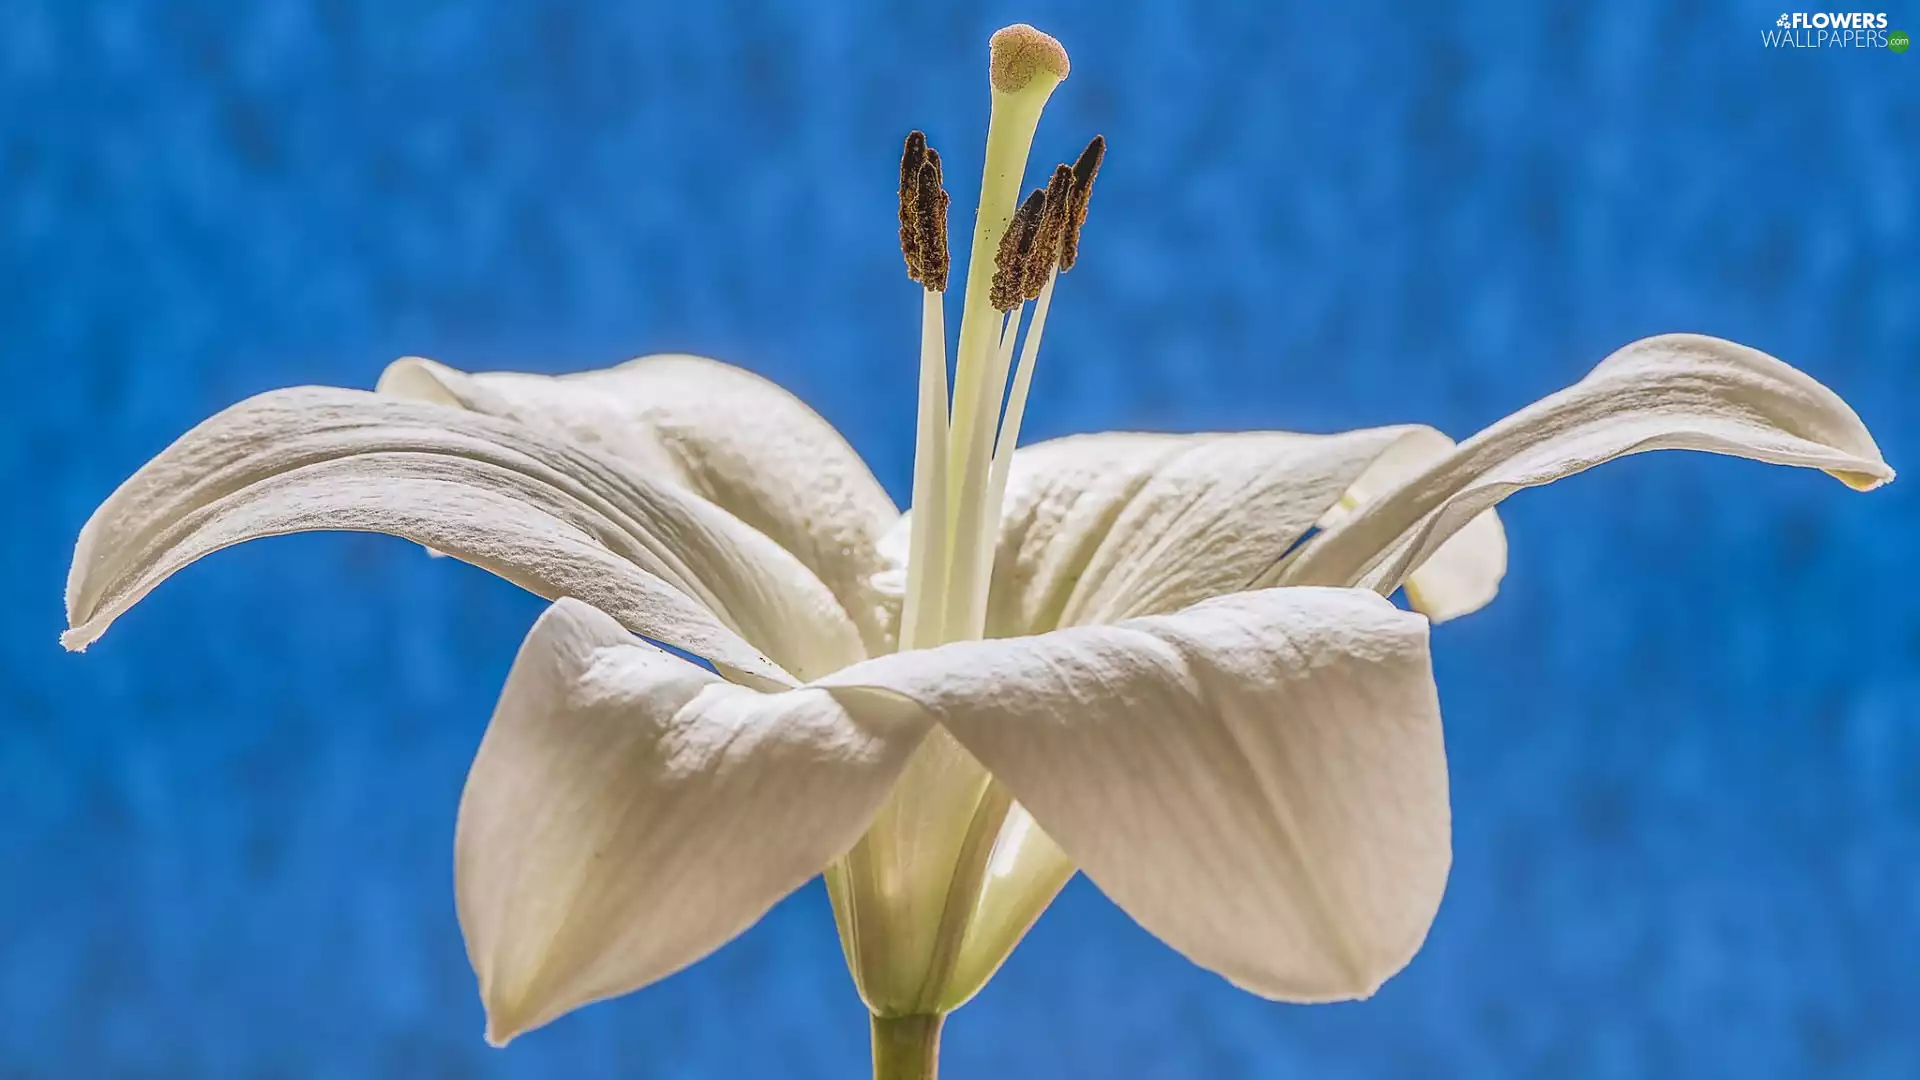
1084	170
1048	235
911	159
930	205
1010	261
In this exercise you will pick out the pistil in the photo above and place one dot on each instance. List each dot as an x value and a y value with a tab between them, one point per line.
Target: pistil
1026	66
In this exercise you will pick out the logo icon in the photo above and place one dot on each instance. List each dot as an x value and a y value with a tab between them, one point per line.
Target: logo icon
1898	41
1784	21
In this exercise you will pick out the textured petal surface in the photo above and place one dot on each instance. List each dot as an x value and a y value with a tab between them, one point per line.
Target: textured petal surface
550	516
1673	392
630	812
727	434
1105	527
1259	779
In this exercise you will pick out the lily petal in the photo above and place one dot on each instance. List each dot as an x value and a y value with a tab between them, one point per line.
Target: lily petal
1463	574
1099	528
727	434
1676	391
1259	779
550	516
629	812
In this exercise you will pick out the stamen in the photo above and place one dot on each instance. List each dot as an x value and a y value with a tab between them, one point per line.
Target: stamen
911	159
1010	262
1084	170
1052	252
930	205
923	240
981	534
1044	254
924	607
1009	432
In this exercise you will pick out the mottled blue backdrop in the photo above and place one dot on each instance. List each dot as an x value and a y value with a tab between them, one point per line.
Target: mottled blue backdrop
1684	742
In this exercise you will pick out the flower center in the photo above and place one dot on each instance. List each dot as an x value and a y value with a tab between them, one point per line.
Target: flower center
952	872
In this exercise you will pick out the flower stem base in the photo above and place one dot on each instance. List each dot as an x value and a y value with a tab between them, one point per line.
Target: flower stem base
906	1047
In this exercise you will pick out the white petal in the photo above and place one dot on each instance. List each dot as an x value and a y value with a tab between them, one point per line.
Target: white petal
629	812
1677	391
1463	575
1105	527
1258	779
727	434
554	518
889	581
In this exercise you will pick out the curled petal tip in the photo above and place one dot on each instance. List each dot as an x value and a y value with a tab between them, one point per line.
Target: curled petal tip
508	1020
75	639
415	377
1878	475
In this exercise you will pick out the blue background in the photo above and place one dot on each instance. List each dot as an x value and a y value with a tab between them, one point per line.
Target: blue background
1684	742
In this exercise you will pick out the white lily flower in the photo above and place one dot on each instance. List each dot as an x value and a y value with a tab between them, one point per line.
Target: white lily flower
1166	661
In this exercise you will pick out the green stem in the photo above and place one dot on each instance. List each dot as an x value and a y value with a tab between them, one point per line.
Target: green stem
906	1047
